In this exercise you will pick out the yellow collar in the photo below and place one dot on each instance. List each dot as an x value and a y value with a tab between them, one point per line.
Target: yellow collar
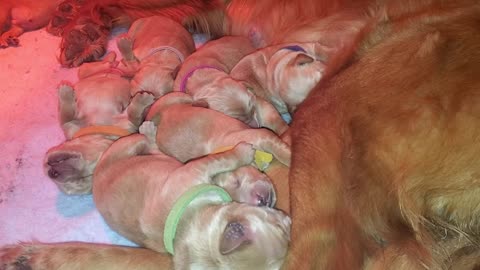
103	130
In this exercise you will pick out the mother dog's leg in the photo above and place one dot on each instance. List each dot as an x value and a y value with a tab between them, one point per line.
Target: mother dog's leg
67	109
325	234
78	256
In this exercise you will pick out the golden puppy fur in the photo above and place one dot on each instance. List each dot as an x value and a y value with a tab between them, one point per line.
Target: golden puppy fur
153	55
93	113
385	170
18	16
283	74
133	168
205	76
187	132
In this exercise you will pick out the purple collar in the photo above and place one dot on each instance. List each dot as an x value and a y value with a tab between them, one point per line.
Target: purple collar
295	48
183	84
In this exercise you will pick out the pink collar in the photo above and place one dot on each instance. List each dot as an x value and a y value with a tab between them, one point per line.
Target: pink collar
165	48
183	84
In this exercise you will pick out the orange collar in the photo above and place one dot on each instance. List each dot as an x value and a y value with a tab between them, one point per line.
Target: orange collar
103	130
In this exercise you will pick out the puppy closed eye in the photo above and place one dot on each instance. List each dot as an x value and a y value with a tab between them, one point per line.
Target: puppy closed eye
237	183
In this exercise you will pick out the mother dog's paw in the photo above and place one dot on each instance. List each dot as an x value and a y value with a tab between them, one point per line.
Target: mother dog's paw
15	257
83	43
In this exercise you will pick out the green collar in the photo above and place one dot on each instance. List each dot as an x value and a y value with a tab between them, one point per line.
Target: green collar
181	204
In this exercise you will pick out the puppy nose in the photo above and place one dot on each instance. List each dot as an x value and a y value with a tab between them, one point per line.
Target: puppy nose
264	199
52	173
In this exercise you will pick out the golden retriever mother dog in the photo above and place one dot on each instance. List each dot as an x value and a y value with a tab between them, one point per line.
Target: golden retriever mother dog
385	170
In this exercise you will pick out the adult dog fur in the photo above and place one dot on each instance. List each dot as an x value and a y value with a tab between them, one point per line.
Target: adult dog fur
85	27
18	16
385	170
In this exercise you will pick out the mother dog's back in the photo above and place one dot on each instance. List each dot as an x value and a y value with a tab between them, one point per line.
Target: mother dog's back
386	154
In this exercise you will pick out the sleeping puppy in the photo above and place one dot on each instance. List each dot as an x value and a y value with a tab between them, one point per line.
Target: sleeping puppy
173	207
153	51
205	76
18	16
187	132
93	113
95	256
283	74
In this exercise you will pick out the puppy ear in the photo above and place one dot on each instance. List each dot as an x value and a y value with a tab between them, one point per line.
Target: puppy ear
302	59
110	57
175	72
235	236
201	103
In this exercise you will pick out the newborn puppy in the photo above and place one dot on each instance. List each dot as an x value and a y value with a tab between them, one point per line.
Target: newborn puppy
205	76
153	50
187	132
173	207
18	16
93	113
283	74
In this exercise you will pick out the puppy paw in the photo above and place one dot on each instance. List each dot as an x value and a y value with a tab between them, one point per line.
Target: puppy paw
143	99
148	129
65	91
245	152
125	46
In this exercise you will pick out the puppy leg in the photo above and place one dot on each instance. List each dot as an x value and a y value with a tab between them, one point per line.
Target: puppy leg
132	145
265	140
77	256
138	107
67	108
204	169
125	46
269	117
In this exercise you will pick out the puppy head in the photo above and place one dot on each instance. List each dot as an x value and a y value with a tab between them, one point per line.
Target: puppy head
293	74
247	185
234	236
71	164
155	79
232	98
